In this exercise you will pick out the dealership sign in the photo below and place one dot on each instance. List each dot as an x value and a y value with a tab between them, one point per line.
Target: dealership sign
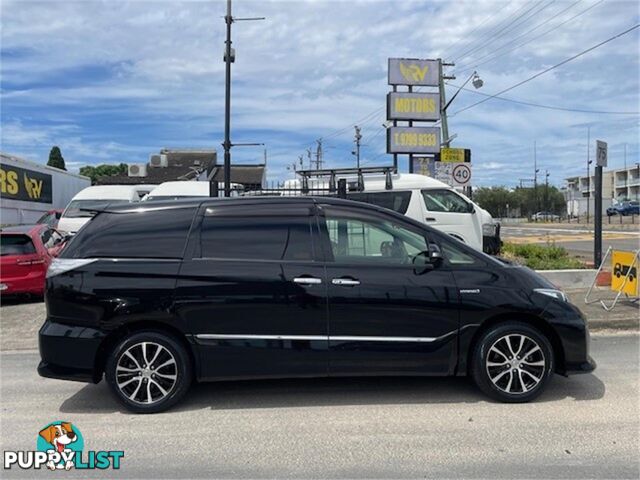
413	106
413	71
26	185
413	140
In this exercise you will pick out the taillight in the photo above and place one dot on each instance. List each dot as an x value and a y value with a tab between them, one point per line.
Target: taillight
62	265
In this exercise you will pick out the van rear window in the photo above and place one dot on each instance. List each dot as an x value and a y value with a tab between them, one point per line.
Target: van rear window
16	245
146	234
396	201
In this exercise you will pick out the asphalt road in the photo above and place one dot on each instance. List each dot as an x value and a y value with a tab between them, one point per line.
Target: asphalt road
578	240
585	426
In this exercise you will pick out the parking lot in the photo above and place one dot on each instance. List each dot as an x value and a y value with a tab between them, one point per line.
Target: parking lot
584	426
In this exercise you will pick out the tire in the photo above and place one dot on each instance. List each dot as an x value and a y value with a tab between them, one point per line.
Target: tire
512	380
164	381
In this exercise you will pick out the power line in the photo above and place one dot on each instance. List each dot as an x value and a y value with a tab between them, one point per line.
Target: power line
465	68
450	47
502	32
539	105
549	69
491	30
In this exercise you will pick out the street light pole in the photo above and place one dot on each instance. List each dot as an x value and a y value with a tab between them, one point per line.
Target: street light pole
227	104
229	58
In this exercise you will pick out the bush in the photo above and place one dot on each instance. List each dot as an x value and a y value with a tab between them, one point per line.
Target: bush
540	257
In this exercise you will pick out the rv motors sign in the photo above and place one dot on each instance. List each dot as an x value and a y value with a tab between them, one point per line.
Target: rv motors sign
26	185
413	71
413	106
413	140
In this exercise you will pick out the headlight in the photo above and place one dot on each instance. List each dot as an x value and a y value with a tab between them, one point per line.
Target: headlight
488	229
550	292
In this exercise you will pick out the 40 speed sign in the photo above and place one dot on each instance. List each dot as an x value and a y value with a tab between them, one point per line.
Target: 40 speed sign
461	174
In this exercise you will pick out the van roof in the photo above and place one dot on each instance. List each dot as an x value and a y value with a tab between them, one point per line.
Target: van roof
106	192
185	187
376	182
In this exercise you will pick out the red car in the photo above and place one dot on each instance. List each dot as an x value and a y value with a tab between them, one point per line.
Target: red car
25	254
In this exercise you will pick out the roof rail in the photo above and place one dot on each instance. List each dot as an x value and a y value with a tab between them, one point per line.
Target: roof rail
334	172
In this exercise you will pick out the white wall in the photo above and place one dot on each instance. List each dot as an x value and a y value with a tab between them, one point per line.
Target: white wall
64	186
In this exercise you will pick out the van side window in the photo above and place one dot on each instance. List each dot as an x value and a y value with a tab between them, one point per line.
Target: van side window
256	238
372	240
393	200
150	234
445	201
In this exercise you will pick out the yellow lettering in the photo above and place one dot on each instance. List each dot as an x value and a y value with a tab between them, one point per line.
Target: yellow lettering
12	182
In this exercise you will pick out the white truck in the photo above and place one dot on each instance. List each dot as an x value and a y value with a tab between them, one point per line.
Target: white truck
425	200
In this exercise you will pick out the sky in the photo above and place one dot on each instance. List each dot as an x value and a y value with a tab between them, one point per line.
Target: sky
114	81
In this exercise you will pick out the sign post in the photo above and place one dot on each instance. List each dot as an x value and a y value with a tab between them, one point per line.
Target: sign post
601	161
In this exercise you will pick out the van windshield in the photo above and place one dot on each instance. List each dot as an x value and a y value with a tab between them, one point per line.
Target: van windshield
81	208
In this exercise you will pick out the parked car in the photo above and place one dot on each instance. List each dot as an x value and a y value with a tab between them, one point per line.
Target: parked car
427	201
545	217
25	254
83	205
624	208
50	218
187	189
155	295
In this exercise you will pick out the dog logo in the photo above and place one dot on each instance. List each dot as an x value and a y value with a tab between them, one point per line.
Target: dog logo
60	446
63	438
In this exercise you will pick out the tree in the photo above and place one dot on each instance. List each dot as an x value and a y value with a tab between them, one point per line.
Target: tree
103	170
494	200
56	159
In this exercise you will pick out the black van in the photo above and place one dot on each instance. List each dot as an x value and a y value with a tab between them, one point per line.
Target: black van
156	296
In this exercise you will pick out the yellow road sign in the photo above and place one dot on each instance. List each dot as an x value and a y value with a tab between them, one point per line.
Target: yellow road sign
624	272
452	154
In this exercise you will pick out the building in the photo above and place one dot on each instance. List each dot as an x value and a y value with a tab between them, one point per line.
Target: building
617	185
29	189
251	177
168	165
186	164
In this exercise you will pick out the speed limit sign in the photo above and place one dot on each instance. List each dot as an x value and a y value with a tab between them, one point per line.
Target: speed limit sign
461	174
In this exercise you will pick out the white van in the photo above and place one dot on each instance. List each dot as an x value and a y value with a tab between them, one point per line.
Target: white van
425	200
76	213
187	189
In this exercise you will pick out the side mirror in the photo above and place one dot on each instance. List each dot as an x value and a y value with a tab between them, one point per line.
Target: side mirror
427	260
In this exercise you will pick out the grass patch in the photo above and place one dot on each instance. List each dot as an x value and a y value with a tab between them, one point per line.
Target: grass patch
540	257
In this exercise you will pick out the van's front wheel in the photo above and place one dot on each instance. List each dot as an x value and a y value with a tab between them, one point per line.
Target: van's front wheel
512	362
149	372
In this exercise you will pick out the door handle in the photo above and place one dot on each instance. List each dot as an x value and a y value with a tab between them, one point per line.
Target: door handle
430	219
345	282
307	281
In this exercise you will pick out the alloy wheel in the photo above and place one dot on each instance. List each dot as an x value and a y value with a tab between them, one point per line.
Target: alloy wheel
515	364
146	373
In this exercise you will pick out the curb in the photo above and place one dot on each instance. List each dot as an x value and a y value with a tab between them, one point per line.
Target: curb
570	279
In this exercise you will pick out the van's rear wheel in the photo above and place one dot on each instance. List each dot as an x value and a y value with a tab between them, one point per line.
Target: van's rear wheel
149	371
512	362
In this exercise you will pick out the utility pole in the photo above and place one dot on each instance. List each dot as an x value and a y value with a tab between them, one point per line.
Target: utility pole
229	58
310	159
588	172
319	155
357	139
546	191
535	178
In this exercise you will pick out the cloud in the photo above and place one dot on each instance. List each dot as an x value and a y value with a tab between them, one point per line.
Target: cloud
115	81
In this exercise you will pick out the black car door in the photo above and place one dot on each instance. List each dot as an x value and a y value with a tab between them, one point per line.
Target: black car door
252	292
387	313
